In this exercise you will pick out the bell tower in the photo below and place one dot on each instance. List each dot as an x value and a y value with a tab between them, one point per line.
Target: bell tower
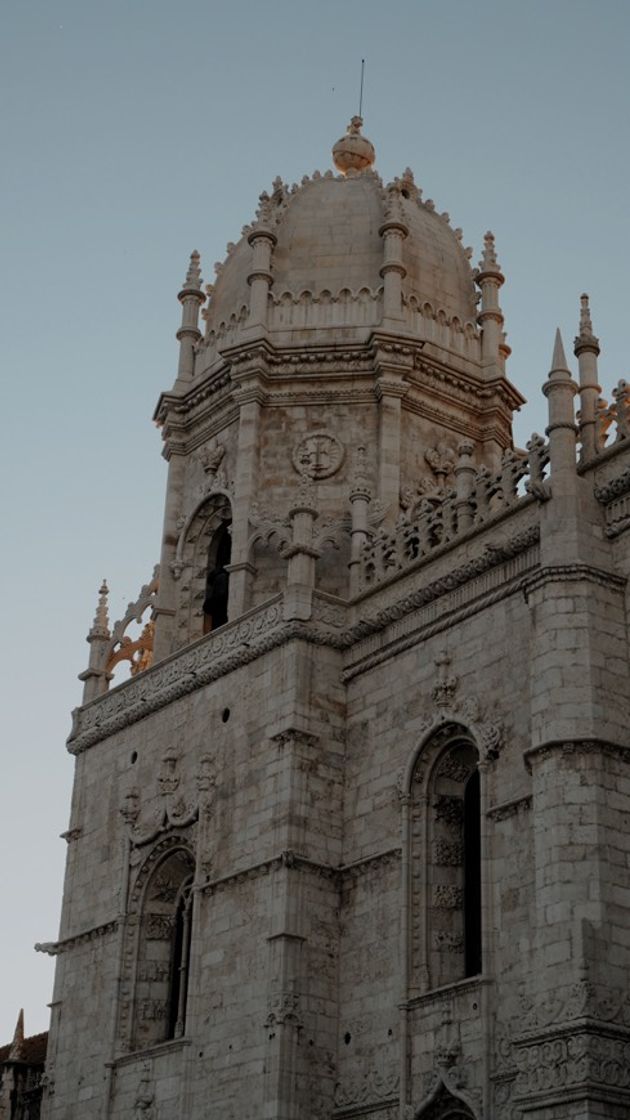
337	846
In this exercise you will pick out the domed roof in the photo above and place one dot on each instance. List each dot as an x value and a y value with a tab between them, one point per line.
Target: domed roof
328	240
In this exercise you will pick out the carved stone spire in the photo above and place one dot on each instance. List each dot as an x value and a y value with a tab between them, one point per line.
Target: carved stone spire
100	626
586	350
191	298
490	278
95	677
489	262
193	276
558	360
17	1044
560	389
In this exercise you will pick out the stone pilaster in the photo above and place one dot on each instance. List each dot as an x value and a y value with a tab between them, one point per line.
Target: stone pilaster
393	361
248	375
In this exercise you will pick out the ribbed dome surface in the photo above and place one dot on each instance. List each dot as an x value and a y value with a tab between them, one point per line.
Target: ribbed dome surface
328	240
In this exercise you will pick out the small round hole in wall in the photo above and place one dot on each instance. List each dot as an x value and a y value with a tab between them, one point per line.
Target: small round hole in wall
389	1033
134	757
347	1038
225	715
475	1006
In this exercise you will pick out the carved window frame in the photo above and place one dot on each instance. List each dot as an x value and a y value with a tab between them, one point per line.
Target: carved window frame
134	930
418	837
210	516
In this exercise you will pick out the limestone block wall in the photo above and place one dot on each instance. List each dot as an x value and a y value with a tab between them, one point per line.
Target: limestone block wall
390	713
247	774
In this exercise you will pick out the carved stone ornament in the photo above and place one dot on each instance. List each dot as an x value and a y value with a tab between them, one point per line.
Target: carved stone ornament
318	455
367	1088
172	811
144	1104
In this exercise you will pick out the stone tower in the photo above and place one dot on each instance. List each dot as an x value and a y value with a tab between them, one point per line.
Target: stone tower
353	839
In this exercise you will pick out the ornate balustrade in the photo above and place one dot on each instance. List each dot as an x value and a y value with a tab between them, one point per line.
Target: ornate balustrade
435	520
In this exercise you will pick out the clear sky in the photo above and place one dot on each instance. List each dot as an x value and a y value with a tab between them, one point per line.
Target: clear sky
134	131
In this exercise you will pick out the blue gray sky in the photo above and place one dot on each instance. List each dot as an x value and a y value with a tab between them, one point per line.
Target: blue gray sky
136	131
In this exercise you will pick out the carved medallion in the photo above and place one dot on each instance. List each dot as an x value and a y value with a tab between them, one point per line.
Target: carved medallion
318	455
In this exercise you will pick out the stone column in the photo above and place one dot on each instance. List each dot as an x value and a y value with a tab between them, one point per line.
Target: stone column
191	298
586	350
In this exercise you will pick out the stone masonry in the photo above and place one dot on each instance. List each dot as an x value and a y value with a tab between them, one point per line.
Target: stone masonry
353	838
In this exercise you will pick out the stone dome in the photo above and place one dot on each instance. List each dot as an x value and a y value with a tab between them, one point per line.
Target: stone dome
327	235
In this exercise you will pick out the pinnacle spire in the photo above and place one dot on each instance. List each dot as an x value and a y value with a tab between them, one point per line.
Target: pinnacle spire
585	338
489	262
15	1052
193	276
559	361
100	626
586	324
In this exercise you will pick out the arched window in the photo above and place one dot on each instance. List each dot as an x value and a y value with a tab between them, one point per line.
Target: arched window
201	570
446	902
215	604
163	960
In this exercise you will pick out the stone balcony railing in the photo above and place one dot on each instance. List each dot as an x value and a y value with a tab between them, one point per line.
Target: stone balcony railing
439	519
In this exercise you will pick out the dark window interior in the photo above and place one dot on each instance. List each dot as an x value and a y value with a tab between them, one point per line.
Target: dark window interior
472	876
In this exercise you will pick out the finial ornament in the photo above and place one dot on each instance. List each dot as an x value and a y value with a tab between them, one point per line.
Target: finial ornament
100	626
585	339
489	262
586	325
193	276
353	152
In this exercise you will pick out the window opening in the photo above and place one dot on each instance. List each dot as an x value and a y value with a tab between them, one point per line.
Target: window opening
179	964
215	604
472	876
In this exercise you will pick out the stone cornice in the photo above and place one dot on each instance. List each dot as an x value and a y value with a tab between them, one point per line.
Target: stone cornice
296	862
508	809
54	948
571	573
568	747
183	403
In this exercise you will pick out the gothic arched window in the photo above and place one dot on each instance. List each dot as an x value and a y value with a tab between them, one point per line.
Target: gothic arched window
445	836
163	960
